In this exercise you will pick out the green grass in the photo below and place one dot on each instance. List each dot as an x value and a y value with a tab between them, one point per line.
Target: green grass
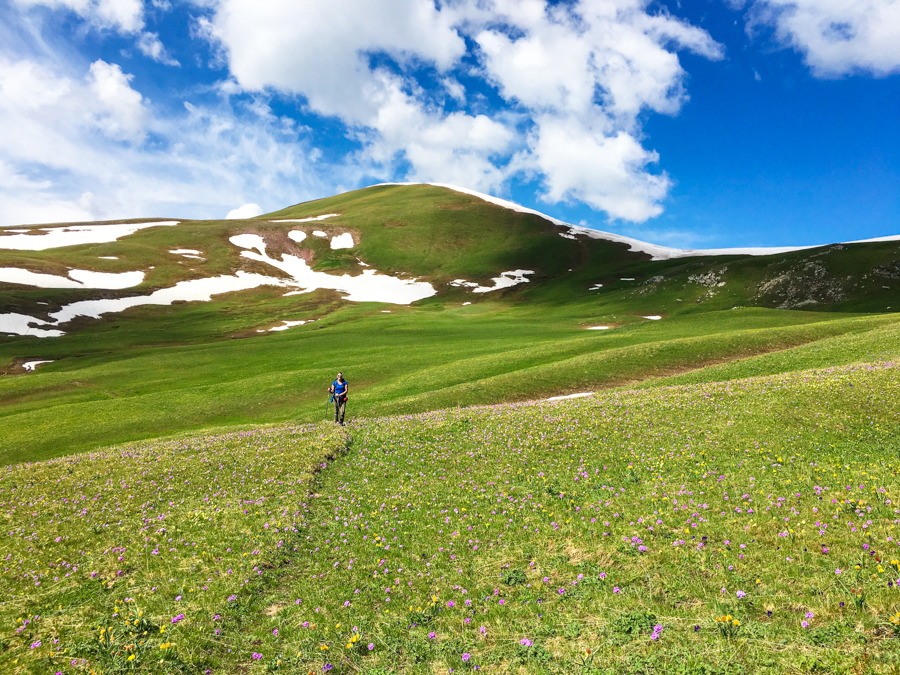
112	540
154	371
577	527
410	361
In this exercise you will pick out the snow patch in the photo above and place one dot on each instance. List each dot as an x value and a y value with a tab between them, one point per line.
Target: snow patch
654	317
596	287
342	241
505	280
598	327
108	257
297	235
187	253
288	324
319	233
31	365
249	241
366	287
76	279
73	235
21	324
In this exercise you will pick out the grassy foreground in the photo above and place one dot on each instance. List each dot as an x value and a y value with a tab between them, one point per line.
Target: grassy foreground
746	526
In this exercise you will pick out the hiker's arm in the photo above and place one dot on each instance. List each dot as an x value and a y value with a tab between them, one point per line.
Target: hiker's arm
346	388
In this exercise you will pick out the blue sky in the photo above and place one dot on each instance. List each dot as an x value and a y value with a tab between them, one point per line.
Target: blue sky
693	123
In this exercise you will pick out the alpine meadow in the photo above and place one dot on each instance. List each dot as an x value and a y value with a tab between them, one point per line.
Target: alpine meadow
567	451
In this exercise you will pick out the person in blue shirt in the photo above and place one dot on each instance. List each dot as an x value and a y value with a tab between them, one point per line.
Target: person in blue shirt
339	390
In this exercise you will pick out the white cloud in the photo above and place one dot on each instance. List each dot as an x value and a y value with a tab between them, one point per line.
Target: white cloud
245	211
121	113
298	46
573	81
594	66
150	46
836	37
606	171
74	148
123	15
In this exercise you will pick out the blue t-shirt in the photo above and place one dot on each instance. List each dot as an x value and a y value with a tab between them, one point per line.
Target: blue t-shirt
339	387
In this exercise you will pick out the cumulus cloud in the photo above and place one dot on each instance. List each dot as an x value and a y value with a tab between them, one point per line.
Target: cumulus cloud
75	147
836	37
596	65
245	211
473	92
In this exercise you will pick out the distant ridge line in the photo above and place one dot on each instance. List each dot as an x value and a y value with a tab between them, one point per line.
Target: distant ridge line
655	250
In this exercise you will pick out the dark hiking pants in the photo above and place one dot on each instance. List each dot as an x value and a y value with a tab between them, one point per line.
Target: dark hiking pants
340	407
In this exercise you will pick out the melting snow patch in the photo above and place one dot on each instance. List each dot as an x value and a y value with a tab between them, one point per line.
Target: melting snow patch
596	287
563	398
31	365
249	241
297	235
566	235
76	279
108	257
21	324
655	317
306	220
319	233
288	324
74	235
466	303
342	241
366	287
598	327
505	280
187	253
627	279
464	283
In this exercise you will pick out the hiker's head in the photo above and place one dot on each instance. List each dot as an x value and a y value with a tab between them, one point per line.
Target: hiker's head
340	377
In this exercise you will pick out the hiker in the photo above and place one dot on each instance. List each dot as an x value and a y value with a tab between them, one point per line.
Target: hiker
338	390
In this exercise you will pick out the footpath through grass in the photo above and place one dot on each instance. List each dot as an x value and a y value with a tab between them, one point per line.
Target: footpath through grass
109	559
740	527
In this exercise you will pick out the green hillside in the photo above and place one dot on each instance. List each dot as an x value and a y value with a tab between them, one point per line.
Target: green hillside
175	502
157	370
739	527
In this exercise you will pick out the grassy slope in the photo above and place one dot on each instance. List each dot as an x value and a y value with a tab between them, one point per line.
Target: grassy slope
548	523
414	361
159	370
